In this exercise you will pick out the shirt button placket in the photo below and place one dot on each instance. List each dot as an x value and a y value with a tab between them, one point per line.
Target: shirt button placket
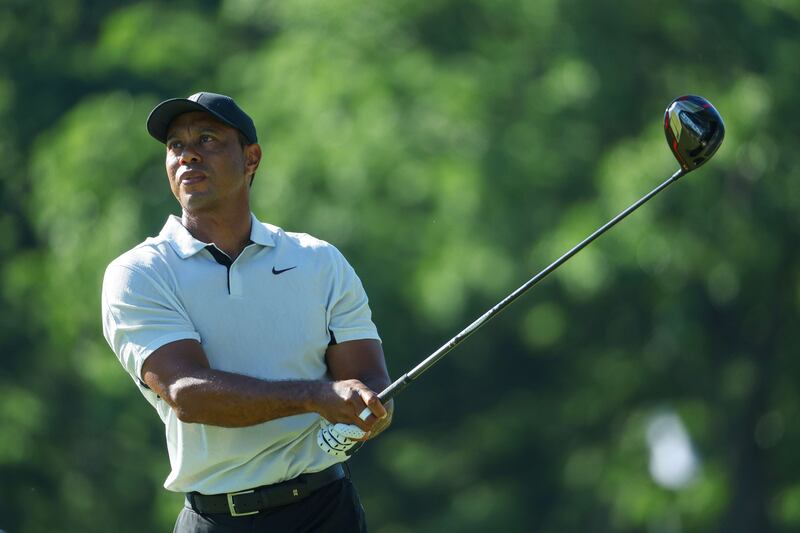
235	281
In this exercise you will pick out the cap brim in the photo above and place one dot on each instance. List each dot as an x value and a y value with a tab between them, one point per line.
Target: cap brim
164	113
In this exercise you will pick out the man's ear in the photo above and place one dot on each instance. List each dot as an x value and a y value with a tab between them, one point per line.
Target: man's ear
252	158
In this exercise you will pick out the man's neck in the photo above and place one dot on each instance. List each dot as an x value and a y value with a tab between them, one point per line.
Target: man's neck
230	232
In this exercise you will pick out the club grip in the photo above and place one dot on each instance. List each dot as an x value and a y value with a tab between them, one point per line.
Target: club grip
388	393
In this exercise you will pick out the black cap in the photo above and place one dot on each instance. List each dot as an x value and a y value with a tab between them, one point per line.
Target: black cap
221	106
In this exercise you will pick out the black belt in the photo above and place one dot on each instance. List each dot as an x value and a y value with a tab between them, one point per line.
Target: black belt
247	502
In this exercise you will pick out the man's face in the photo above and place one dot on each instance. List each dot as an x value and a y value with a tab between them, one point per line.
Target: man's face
206	165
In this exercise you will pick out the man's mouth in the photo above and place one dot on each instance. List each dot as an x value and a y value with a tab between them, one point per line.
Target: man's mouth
190	177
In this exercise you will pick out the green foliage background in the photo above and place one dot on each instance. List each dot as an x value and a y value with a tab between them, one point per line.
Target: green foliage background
451	149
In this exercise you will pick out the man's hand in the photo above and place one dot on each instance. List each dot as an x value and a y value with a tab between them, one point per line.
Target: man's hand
343	401
340	440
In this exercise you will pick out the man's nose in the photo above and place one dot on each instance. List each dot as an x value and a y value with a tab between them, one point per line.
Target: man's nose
189	154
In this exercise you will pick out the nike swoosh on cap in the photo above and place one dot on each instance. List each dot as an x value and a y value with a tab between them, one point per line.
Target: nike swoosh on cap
281	271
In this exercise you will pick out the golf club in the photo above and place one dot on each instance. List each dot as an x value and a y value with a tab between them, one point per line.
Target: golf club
694	131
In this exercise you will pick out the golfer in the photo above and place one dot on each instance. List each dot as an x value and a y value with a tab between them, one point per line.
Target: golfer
245	338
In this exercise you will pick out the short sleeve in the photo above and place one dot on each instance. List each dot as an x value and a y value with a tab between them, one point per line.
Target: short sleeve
349	312
140	314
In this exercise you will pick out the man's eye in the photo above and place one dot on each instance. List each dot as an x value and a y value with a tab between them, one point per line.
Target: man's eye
174	145
206	138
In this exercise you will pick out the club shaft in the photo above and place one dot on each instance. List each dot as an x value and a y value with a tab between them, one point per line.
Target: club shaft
401	383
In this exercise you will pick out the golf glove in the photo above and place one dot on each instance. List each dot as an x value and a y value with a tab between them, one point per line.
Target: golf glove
337	439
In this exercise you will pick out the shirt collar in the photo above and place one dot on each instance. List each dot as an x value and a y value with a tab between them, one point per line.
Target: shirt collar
260	233
185	245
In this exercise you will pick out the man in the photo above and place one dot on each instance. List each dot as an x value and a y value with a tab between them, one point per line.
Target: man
245	338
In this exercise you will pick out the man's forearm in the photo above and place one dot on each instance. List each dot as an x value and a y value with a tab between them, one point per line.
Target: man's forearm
180	374
224	399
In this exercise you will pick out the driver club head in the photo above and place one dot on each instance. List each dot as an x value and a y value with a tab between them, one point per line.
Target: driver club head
694	130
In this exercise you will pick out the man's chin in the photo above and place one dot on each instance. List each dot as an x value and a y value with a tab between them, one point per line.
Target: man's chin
197	201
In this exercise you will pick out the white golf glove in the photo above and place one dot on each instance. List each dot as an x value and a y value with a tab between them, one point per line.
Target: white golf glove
337	439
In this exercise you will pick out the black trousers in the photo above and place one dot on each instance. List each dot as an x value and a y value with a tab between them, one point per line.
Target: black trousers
334	508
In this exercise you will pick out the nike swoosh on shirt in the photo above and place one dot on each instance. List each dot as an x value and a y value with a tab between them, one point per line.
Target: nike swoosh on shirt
281	271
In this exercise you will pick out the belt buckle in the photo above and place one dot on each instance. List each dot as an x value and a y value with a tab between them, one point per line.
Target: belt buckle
232	505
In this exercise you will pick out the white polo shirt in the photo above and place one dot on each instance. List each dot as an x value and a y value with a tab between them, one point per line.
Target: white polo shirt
270	314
